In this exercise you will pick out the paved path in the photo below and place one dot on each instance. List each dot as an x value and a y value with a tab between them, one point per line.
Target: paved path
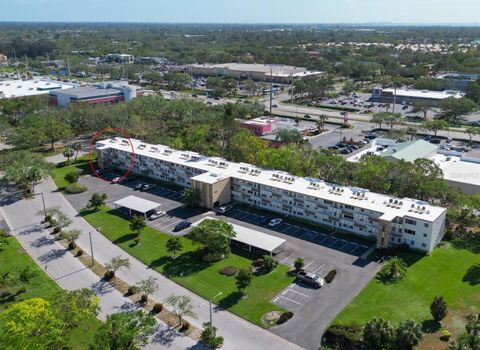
238	333
71	274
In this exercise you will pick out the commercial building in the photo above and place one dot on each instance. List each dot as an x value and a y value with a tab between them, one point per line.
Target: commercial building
263	72
21	88
461	171
259	126
102	93
120	58
391	221
410	151
402	96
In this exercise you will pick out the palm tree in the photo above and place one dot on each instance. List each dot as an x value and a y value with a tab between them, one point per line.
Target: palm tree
191	197
76	146
378	334
408	334
394	269
68	153
321	123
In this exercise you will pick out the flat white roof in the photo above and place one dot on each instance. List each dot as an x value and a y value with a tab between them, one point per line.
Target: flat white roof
281	180
458	170
434	95
136	203
252	238
276	69
20	88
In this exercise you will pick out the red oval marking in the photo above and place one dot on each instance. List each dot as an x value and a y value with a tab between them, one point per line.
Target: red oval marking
94	139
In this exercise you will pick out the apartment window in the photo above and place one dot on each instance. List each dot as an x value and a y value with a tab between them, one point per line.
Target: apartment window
412	242
346	206
425	235
425	224
424	245
410	222
410	232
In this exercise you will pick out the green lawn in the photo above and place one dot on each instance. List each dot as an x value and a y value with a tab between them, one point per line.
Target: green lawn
448	271
13	259
58	173
187	270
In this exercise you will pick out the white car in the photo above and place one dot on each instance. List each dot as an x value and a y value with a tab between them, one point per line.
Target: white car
156	215
275	222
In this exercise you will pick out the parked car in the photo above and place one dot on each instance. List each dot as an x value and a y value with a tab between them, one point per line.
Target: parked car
353	147
275	106
371	136
311	279
156	215
334	147
147	187
138	186
224	209
194	95
118	180
435	141
182	225
275	222
265	221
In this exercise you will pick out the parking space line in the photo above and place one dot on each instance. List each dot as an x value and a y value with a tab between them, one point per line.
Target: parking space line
170	223
356	247
287	226
334	242
312	238
310	263
324	239
297	229
294	291
319	268
343	246
293	301
288	257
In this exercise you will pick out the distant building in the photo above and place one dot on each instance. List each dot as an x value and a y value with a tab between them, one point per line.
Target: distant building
21	88
102	93
410	96
152	60
410	151
458	81
259	126
120	58
3	58
263	72
461	171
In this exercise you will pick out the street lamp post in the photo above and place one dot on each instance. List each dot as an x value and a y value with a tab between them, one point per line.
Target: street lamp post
43	202
210	307
91	248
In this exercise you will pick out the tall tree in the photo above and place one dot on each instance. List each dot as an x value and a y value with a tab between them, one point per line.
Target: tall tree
435	125
215	237
147	286
97	201
174	245
55	128
124	331
454	108
407	335
243	279
191	197
137	224
182	306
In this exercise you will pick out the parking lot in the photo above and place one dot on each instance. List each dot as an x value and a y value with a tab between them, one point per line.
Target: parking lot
322	251
313	236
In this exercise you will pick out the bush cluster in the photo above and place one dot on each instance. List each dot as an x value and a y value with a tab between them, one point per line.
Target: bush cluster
228	271
285	317
330	276
75	188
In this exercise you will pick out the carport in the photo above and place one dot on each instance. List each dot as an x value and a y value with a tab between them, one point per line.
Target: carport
254	239
137	204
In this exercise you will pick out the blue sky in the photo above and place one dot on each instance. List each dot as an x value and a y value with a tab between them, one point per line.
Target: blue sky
243	11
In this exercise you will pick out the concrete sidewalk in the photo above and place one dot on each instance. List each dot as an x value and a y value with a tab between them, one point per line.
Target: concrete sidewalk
71	274
238	333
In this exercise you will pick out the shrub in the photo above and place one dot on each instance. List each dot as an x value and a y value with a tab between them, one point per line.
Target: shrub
445	335
228	271
285	317
57	230
75	188
132	290
71	246
109	275
330	276
157	308
343	337
257	263
136	240
144	299
185	326
79	252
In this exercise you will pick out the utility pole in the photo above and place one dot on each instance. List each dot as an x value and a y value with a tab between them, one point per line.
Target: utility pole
91	248
394	97
291	90
271	89
68	66
43	202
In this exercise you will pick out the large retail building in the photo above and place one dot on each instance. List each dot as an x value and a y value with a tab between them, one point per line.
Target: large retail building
391	221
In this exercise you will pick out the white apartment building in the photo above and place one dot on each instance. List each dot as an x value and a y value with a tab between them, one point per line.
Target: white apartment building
390	221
